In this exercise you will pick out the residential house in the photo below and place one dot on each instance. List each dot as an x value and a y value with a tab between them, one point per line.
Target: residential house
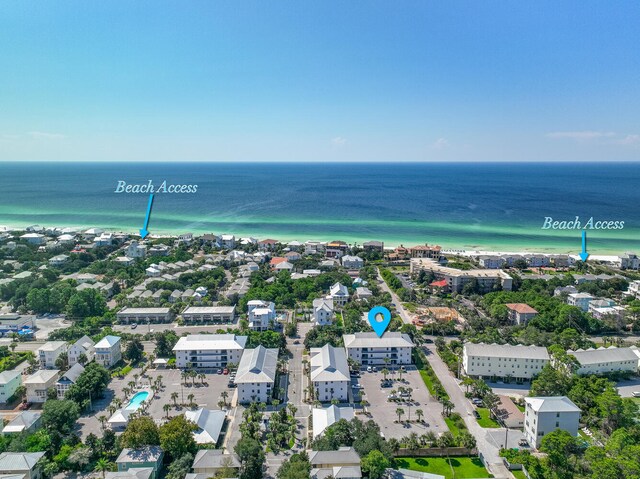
520	313
256	374
108	351
323	312
227	241
606	360
363	294
314	247
39	383
425	251
546	414
49	352
136	250
339	293
211	461
352	262
9	382
209	350
25	421
560	290
85	345
629	261
267	244
580	300
491	361
159	250
25	465
369	349
330	373
58	260
131	473
283	266
322	418
209	422
633	290
34	238
343	464
293	256
144	457
209	314
336	249
373	246
68	379
508	413
262	314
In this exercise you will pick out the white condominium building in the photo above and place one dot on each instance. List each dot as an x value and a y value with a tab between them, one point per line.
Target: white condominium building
369	349
606	360
209	350
486	279
256	374
144	315
209	314
330	373
546	414
489	361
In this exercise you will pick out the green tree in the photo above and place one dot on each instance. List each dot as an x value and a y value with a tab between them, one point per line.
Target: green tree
297	467
60	416
176	437
104	465
134	350
141	431
374	464
179	467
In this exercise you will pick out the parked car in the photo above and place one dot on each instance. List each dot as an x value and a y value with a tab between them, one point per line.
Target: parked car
391	397
219	371
375	369
636	394
358	386
523	442
386	384
476	414
231	384
225	371
476	401
297	341
428	340
134	325
369	369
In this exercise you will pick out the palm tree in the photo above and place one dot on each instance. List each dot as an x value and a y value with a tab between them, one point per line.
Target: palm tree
83	359
13	346
385	372
292	410
117	402
399	412
102	420
135	378
202	377
419	413
174	398
103	465
111	408
447	406
224	395
191	397
166	408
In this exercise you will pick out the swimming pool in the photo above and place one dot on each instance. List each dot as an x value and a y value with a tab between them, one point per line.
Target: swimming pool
136	400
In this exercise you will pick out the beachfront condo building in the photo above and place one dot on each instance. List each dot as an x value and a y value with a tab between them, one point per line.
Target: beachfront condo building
546	414
455	279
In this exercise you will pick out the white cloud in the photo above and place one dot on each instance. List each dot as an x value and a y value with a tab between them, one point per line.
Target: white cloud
581	135
440	144
629	140
44	135
338	141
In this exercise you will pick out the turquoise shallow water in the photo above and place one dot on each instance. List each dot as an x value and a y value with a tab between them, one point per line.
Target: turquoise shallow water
471	205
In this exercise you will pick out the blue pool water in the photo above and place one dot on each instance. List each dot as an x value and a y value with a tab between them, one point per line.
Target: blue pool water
137	399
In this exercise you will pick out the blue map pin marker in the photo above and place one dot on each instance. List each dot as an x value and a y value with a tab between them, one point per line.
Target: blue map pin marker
379	319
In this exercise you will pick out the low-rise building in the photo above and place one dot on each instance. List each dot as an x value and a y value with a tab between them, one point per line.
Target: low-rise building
210	423
49	352
606	360
108	351
352	262
339	293
256	374
227	241
209	462
330	373
455	279
492	361
520	313
13	323
144	457
136	250
426	251
546	414
209	350
343	463
262	314
370	349
491	262
85	345
68	379
363	294
39	383
209	314
322	418
373	246
580	300
24	422
9	382
58	260
23	465
323	313
144	315
629	261
34	238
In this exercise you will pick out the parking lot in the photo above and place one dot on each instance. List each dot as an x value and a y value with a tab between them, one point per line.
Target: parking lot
383	411
511	436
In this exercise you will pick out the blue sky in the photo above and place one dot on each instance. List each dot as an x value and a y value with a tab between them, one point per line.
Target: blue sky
320	81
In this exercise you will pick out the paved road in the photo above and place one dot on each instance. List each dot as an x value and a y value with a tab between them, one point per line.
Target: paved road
461	404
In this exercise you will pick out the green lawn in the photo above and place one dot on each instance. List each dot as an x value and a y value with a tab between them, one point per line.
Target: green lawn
485	418
455	430
427	381
518	474
464	467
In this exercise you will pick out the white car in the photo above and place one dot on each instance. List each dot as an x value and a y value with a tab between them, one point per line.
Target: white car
636	394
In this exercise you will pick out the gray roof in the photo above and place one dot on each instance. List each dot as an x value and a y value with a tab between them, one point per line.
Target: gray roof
257	366
143	454
22	422
551	404
19	461
604	355
212	458
371	340
329	364
131	473
144	311
85	342
73	373
506	351
344	455
209	424
337	472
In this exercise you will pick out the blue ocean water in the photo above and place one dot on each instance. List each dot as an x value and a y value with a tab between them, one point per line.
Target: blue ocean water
461	205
